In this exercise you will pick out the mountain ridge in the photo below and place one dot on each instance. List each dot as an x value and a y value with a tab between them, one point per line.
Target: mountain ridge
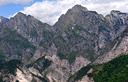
79	38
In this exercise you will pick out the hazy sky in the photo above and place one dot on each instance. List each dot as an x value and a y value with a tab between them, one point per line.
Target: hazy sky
49	11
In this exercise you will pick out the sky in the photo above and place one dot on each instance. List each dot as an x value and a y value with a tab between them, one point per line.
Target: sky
48	11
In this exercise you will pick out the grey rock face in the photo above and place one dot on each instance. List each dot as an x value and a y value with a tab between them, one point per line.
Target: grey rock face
29	27
14	46
81	31
3	19
55	53
120	48
118	22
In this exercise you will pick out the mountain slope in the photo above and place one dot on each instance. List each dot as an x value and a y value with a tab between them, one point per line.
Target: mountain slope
62	52
113	71
82	32
14	46
29	27
120	35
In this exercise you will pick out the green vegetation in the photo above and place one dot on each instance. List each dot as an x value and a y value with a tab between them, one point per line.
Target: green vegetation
113	71
1	79
15	41
2	54
78	75
12	65
41	64
90	54
61	55
9	66
33	33
47	38
71	57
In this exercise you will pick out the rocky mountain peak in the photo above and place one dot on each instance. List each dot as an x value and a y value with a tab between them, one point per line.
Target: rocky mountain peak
29	27
21	17
20	14
3	19
83	28
80	37
78	8
115	12
118	13
77	15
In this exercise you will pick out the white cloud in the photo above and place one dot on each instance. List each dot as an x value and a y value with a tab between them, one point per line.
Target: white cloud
50	10
4	2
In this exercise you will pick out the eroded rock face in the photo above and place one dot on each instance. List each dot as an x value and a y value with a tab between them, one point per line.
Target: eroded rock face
118	22
120	48
63	69
23	77
55	53
87	78
84	33
60	69
3	19
119	25
29	27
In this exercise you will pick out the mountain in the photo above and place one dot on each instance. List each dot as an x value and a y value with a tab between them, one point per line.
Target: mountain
119	33
82	32
3	19
68	51
29	27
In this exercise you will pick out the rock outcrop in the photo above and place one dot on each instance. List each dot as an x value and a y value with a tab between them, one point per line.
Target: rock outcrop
30	28
60	52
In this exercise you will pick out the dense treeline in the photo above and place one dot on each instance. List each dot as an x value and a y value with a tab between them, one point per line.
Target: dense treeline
113	71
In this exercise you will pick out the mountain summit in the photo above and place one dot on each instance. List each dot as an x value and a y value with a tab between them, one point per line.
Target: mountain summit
32	51
78	8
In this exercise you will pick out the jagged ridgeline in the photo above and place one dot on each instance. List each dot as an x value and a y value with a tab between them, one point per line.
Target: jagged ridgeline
32	51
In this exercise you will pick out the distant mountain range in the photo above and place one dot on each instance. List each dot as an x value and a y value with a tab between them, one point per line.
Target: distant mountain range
32	51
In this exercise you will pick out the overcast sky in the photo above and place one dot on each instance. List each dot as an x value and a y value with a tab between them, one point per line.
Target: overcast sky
49	11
